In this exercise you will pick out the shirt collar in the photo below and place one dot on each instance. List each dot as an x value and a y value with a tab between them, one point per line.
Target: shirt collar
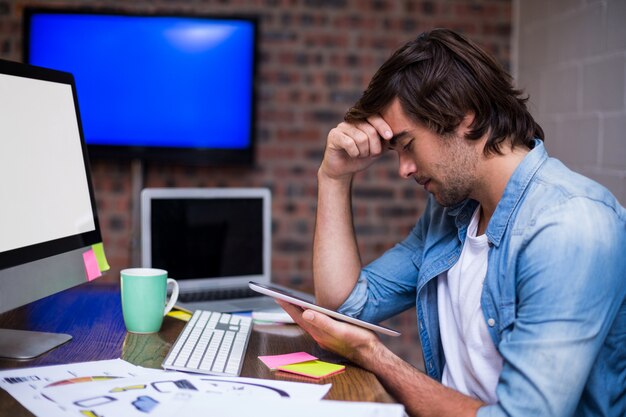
515	189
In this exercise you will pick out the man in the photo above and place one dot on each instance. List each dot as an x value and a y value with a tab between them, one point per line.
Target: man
517	266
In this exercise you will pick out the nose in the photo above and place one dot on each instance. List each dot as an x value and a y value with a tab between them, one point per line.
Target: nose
407	166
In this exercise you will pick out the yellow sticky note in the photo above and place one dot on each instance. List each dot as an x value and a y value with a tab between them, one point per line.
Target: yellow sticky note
314	369
98	250
180	315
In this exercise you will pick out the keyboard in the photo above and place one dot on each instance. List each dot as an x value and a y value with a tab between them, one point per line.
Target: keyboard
217	294
211	343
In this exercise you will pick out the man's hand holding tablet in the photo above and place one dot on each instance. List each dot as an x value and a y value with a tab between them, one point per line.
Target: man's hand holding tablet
286	296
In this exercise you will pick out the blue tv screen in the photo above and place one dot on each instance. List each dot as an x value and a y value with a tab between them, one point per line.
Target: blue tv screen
154	86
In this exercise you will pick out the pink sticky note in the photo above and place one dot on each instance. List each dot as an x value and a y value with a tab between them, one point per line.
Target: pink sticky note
274	361
91	265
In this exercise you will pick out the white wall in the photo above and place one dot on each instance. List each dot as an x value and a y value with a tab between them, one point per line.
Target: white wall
570	56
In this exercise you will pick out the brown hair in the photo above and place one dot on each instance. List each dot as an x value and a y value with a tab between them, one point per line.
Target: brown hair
440	77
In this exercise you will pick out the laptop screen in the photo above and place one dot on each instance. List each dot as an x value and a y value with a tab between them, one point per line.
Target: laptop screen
206	235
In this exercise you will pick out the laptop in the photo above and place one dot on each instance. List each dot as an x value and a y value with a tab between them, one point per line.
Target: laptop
213	241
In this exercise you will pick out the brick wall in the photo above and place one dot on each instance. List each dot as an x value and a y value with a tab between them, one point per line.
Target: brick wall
316	57
572	60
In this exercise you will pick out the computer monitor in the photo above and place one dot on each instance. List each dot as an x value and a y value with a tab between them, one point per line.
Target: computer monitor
48	217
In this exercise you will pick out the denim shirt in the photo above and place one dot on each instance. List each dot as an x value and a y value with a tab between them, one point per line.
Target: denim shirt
554	296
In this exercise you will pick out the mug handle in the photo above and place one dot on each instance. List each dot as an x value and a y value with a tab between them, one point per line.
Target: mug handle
174	296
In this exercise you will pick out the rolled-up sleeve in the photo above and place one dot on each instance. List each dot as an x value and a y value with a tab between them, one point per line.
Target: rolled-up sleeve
356	300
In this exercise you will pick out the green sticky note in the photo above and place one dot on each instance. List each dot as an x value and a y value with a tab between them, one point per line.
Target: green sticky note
314	369
98	250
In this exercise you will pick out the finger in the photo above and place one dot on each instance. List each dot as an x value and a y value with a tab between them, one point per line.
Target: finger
295	313
349	145
374	139
359	133
339	138
381	126
291	309
352	139
321	321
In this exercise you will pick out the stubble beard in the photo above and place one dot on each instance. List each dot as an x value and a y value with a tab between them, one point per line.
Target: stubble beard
457	177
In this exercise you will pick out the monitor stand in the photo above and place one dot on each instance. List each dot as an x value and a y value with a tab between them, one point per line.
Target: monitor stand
22	344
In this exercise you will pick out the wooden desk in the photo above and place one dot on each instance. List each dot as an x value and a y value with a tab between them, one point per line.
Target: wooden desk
92	314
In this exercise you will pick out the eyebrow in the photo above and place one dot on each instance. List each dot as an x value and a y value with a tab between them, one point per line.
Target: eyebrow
397	137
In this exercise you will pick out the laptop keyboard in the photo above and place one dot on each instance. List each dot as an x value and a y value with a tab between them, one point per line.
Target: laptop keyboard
211	343
214	295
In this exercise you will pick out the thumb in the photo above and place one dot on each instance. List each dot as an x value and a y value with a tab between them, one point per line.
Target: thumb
319	320
308	315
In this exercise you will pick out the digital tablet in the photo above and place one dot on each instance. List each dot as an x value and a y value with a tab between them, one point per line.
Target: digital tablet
289	297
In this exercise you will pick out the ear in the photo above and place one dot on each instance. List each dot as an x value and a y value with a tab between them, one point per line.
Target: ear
467	121
465	126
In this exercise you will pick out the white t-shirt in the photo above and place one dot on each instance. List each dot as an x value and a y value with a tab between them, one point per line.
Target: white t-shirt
473	364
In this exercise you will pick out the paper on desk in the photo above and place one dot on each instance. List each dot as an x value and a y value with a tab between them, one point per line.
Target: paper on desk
274	361
272	316
120	388
26	384
195	404
287	389
137	396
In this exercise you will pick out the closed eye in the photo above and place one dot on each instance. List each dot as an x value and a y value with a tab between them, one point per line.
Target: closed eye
407	146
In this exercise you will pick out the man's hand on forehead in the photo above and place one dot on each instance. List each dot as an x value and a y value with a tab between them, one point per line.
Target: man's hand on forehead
385	133
383	129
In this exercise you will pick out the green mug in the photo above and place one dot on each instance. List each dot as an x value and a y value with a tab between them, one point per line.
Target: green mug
144	292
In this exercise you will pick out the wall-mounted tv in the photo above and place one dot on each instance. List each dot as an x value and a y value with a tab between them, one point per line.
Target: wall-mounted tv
157	87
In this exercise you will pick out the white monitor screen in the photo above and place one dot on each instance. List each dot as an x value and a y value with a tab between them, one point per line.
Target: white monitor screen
44	192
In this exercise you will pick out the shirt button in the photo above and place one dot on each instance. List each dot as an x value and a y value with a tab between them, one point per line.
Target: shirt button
430	364
491	322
